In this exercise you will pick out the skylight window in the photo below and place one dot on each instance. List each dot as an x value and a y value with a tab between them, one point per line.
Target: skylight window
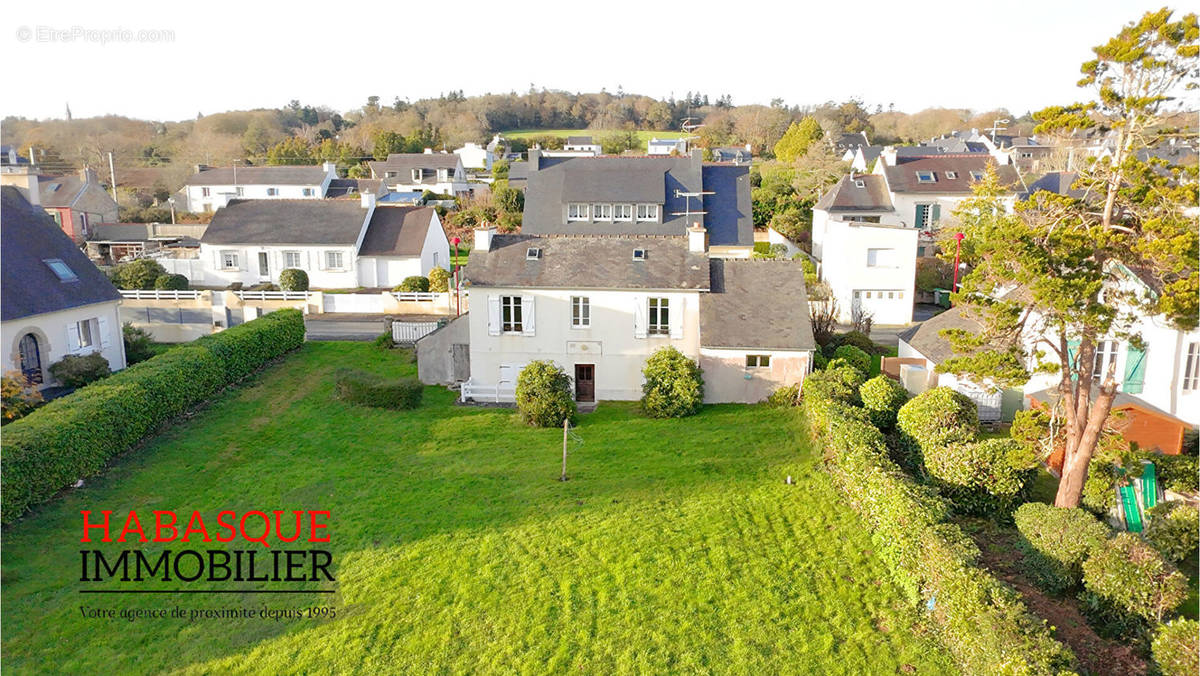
951	175
926	177
639	254
860	184
533	253
976	175
61	270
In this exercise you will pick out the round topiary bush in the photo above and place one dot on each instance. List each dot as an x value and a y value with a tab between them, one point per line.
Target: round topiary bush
1129	586
413	284
138	274
882	397
674	387
1055	542
857	358
293	279
171	283
1174	529
981	478
544	397
1176	650
76	370
439	280
937	417
856	338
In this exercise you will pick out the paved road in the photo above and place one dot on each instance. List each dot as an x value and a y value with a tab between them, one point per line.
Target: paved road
343	326
890	335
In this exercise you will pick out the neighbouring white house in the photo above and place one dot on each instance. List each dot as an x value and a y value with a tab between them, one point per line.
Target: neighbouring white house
599	305
1158	380
865	253
340	244
475	156
574	146
734	154
441	173
55	301
667	146
211	188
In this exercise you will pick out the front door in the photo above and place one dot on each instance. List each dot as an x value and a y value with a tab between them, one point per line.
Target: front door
585	382
31	359
264	270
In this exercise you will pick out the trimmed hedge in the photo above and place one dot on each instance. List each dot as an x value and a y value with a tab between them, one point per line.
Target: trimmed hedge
76	435
937	417
1176	648
1055	542
674	385
982	623
293	279
981	478
76	370
857	358
882	397
369	389
1177	472
1174	529
1129	586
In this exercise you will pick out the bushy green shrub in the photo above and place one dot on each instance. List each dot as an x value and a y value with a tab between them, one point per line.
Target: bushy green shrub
674	386
1176	648
138	274
1055	542
369	389
783	397
854	338
1177	473
1174	529
882	398
439	280
544	397
138	344
415	283
982	622
74	436
936	417
384	341
293	279
819	360
171	283
989	477
856	357
18	396
77	370
1128	586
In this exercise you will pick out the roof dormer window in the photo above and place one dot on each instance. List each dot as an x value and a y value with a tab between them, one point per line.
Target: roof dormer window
647	212
639	254
926	177
533	253
578	211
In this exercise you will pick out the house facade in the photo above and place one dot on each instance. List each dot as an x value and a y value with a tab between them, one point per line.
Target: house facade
441	173
211	188
475	156
55	301
76	203
340	244
661	147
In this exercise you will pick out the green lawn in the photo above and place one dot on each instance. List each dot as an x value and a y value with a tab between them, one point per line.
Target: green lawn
642	134
676	547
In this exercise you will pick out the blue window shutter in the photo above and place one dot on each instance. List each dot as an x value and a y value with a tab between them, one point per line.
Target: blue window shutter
1135	370
1073	357
937	213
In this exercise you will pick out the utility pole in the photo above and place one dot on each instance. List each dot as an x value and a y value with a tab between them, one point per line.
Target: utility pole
113	174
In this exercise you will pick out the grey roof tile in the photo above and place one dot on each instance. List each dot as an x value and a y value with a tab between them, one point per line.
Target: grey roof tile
743	308
396	231
335	222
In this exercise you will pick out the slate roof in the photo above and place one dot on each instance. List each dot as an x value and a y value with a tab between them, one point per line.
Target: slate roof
924	337
1057	182
730	154
740	312
579	141
300	221
561	180
342	187
396	231
28	236
288	175
589	263
406	162
59	191
847	196
902	177
851	140
144	177
870	153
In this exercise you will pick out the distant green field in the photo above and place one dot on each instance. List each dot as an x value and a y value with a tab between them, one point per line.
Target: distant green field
643	135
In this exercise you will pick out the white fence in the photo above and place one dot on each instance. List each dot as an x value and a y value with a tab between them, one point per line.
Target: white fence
367	303
418	296
505	392
273	295
411	332
188	267
158	294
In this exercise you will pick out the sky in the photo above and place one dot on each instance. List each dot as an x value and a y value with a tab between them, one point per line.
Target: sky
170	61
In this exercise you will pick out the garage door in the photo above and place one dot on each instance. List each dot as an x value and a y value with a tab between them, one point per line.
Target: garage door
886	306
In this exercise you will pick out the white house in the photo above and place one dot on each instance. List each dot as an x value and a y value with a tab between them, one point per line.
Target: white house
340	244
441	173
211	188
55	301
598	306
475	156
666	146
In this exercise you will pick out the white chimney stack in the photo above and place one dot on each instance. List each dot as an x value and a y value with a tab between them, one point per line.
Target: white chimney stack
368	200
330	168
483	237
697	238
